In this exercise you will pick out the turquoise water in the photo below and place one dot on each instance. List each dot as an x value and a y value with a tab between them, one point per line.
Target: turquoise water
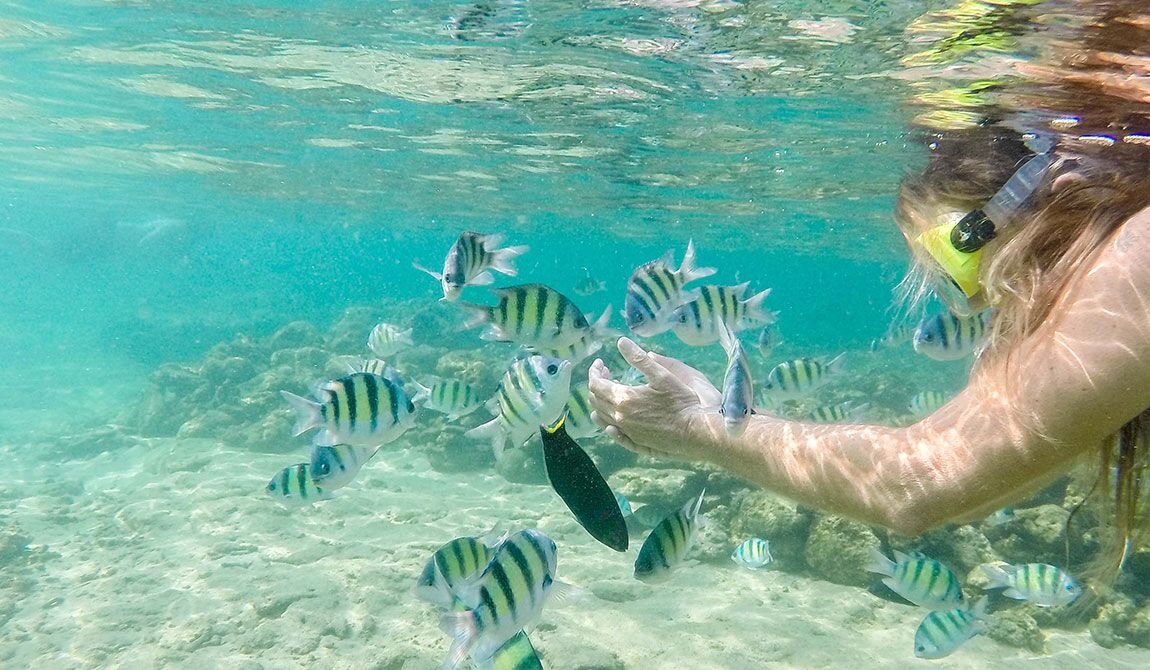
176	174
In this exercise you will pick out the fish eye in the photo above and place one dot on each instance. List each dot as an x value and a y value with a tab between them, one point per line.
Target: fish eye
449	278
272	486
323	468
552	369
744	411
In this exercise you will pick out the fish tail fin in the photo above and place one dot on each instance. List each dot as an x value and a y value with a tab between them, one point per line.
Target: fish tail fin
421	392
836	364
727	337
981	609
490	431
307	412
405	337
600	328
757	312
878	562
503	260
477	315
688	272
998	576
856	411
461	627
419	267
698	504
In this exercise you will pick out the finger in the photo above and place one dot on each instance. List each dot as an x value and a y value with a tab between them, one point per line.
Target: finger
614	433
599	369
599	420
606	392
657	375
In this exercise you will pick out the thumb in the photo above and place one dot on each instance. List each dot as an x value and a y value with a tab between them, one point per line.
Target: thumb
658	376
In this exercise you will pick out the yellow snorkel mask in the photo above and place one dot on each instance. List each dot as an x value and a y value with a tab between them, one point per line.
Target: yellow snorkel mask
957	248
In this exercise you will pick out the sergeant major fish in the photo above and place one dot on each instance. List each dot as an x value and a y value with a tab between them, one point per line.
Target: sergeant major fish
542	319
921	580
794	378
335	466
294	484
947	337
533	392
387	340
694	323
579	424
361	409
509	596
667	545
453	566
753	553
839	413
655	291
1039	583
470	260
943	631
451	397
738	389
926	402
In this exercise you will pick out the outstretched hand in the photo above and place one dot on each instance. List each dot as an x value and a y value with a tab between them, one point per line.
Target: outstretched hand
667	416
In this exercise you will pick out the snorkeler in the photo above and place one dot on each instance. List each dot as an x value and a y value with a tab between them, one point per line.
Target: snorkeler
1044	216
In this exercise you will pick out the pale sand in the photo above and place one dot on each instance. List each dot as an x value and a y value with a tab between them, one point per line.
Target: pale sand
171	555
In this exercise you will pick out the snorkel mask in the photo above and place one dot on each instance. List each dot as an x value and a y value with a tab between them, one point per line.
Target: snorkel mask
956	248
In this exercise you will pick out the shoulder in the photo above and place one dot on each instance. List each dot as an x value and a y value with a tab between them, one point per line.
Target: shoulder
1133	238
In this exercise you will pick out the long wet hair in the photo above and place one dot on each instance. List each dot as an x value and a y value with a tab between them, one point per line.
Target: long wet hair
1082	91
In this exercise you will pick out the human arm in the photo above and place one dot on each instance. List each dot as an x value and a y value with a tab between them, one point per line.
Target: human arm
1022	420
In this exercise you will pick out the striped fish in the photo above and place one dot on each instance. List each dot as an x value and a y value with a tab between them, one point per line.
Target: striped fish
694	323
362	409
947	337
791	379
926	402
941	632
453	566
579	424
839	413
334	466
738	388
387	340
542	319
294	484
669	542
767	340
1039	583
451	397
655	291
921	580
533	391
898	334
508	597
372	365
753	553
516	654
470	260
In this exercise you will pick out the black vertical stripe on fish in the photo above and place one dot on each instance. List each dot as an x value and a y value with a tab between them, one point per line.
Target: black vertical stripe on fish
524	566
301	479
393	402
486	607
542	296
503	582
334	402
668	291
508	406
372	388
285	475
349	391
698	318
533	376
646	288
582	488
520	308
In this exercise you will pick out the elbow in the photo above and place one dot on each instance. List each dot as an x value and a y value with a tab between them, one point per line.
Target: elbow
919	511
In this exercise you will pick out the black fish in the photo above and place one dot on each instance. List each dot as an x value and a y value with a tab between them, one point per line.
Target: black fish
575	478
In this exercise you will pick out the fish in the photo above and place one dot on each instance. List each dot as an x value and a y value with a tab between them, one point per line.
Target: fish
1039	583
897	335
542	319
921	580
516	654
588	285
533	392
624	505
294	484
471	260
373	365
508	597
579	424
753	553
650	515
738	388
948	337
842	412
361	409
1004	515
767	340
694	322
926	402
334	466
654	291
387	340
943	631
794	378
667	545
454	566
582	488
451	397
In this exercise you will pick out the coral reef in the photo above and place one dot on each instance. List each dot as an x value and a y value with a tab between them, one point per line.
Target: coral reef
838	549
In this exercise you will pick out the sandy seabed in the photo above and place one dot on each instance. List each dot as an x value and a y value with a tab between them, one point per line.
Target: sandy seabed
167	553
